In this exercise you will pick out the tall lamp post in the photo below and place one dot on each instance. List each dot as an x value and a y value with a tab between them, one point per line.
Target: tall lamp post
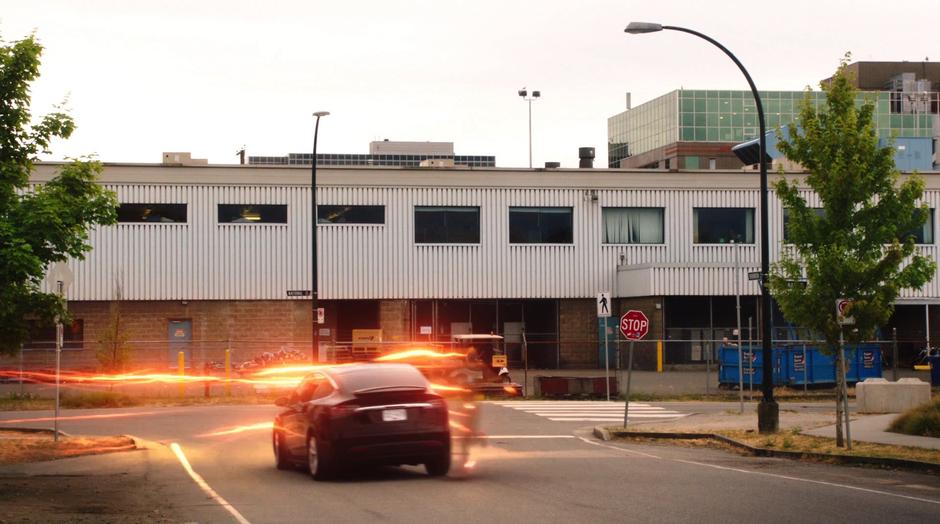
313	216
768	412
525	96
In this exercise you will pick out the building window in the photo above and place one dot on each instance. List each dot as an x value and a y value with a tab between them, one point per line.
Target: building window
447	225
541	225
252	213
43	336
722	225
331	214
158	213
633	225
923	234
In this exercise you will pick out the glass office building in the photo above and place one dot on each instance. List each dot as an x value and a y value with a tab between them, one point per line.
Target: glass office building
331	159
730	117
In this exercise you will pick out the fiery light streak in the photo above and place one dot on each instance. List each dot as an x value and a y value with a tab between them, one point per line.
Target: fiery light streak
76	417
460	427
417	354
290	370
442	387
509	389
239	429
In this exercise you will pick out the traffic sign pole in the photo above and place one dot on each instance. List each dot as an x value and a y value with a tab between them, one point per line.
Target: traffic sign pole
626	404
606	361
603	312
634	325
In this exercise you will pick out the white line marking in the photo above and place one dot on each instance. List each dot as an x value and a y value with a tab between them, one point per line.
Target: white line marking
178	451
617	448
501	437
607	419
773	475
811	481
599	413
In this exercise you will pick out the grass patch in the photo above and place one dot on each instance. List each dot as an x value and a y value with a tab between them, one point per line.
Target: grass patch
922	421
788	441
20	446
97	399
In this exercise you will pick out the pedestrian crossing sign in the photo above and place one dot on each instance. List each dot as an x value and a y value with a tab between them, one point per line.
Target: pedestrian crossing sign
603	305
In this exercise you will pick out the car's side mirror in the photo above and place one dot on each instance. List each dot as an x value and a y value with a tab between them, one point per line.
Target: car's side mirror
282	402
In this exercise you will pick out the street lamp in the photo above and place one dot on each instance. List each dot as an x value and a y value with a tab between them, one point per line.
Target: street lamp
768	413
313	215
525	96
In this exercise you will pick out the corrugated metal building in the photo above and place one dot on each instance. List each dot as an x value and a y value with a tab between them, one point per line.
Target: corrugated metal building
212	265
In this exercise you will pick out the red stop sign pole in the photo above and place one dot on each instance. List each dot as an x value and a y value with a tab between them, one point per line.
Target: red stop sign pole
634	325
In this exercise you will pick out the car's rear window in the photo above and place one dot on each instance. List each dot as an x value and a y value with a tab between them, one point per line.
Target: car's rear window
380	377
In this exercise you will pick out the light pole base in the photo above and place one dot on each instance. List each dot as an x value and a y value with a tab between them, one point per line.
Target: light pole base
768	416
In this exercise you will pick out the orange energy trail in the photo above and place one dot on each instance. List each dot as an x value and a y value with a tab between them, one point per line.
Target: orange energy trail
418	353
238	429
442	387
76	417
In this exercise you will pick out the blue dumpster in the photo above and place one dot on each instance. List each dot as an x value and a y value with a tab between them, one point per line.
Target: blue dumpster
795	366
934	370
752	372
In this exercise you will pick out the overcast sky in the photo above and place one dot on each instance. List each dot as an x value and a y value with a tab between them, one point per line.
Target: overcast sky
207	76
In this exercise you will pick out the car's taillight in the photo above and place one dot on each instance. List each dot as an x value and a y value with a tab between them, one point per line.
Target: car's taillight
343	410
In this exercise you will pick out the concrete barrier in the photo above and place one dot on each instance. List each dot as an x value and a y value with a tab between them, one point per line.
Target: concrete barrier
877	395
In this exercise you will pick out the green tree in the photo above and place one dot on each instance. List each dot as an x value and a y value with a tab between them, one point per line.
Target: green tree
861	245
40	224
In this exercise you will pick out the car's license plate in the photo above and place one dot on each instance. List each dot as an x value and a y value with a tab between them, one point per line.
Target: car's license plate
394	415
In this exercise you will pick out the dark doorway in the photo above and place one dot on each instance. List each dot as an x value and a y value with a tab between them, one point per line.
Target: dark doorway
355	314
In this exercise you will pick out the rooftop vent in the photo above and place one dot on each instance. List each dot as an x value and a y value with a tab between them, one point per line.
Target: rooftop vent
586	155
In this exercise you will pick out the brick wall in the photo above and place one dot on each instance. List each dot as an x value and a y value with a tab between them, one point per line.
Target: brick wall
247	327
577	332
395	319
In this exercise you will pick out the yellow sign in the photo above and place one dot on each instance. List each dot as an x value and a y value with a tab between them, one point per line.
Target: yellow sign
364	338
499	361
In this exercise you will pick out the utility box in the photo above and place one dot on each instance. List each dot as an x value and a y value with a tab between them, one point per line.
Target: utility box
877	395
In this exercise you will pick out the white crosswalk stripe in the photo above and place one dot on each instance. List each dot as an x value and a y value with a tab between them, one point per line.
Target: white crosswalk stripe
588	411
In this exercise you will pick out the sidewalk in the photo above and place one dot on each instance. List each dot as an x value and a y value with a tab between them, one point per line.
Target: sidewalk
146	485
686	382
872	428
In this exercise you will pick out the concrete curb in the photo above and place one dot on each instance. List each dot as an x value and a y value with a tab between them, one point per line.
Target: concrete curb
916	465
602	433
35	430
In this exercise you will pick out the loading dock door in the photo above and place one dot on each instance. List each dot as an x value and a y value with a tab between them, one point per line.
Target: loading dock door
180	335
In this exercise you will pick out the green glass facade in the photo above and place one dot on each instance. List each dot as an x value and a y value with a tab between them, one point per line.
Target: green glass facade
731	116
643	128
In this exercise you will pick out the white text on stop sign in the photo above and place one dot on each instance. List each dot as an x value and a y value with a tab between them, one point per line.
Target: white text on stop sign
634	324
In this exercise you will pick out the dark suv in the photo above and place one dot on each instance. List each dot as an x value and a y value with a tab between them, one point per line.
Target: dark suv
362	414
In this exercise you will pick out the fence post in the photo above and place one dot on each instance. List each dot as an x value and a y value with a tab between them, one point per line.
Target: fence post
181	371
894	353
708	367
228	372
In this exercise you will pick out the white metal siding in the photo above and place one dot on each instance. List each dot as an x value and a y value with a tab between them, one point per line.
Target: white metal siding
204	260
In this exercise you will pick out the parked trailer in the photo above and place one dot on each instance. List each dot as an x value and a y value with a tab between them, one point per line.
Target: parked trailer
794	366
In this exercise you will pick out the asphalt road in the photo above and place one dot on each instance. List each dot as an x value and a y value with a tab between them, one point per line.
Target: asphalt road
533	470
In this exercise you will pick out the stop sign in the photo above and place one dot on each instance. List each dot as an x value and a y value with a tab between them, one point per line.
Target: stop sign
634	325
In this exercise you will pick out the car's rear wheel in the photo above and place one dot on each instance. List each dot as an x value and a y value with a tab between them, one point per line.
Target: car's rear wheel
439	465
281	459
320	461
